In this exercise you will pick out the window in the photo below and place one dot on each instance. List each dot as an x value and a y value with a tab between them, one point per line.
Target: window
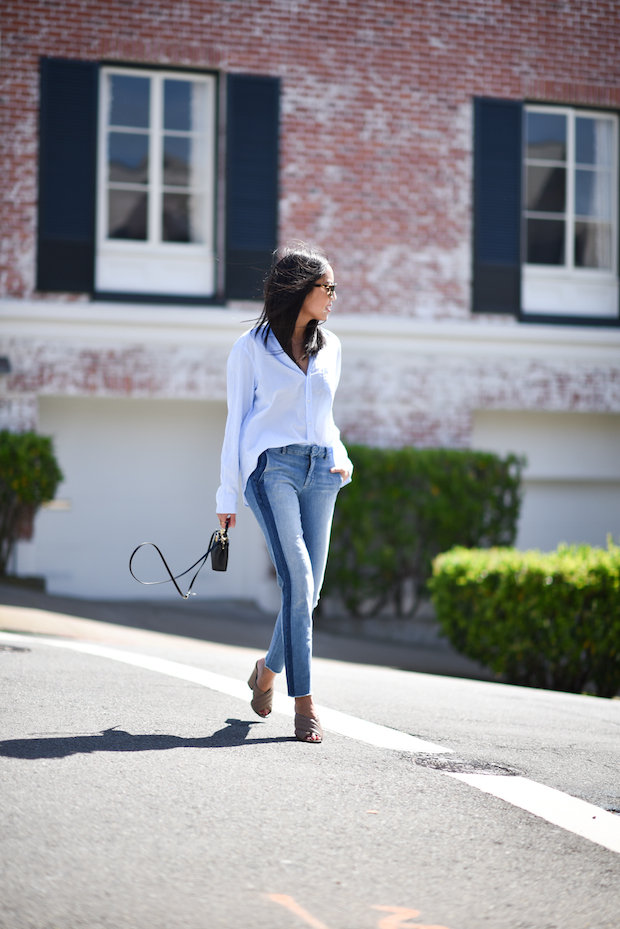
545	244
570	212
127	193
156	214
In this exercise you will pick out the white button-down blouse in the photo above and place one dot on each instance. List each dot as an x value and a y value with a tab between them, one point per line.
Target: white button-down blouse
272	403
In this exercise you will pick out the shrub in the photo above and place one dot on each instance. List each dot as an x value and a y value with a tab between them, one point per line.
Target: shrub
405	506
543	620
29	476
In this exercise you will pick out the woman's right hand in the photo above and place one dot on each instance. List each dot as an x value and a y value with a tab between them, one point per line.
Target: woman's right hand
231	517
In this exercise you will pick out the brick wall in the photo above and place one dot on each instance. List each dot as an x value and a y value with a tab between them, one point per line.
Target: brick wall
376	133
416	398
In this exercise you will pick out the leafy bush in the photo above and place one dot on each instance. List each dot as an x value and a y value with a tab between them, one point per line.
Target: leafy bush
405	506
543	620
29	476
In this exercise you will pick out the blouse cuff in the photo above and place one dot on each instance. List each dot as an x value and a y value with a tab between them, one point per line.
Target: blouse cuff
342	461
226	502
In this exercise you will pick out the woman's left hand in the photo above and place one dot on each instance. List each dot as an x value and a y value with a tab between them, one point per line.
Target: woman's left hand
345	475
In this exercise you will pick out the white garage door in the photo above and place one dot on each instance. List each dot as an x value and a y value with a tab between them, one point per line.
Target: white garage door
139	470
572	479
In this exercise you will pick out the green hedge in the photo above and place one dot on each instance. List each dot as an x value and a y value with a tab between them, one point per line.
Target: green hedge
29	476
543	620
405	506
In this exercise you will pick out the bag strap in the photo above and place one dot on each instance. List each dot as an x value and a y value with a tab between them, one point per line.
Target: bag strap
220	536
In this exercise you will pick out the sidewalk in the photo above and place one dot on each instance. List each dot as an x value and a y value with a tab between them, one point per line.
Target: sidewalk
228	622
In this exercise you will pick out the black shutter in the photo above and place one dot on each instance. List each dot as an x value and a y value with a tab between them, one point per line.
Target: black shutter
67	175
497	206
251	182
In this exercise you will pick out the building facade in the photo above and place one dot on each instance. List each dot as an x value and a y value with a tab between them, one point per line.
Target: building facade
459	163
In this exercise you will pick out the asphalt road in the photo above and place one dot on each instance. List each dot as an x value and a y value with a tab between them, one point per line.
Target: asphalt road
131	798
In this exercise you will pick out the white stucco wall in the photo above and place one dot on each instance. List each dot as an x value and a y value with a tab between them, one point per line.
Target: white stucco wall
572	478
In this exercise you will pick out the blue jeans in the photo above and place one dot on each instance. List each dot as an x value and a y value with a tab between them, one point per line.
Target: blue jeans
292	493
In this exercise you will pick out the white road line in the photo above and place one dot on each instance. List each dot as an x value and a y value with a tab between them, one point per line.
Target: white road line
569	813
333	720
561	809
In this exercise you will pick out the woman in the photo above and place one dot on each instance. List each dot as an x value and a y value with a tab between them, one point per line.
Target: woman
281	439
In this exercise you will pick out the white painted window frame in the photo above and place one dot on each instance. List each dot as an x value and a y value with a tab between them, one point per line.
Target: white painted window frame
154	266
565	290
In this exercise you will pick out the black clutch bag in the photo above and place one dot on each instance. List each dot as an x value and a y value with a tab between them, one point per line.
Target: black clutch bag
218	546
218	549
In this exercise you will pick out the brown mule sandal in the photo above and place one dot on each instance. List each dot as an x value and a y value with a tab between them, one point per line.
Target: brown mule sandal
305	727
262	699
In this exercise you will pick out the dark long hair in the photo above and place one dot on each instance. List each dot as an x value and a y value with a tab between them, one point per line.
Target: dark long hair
295	271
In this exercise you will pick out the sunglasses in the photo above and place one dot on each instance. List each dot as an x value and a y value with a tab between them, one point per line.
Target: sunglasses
330	289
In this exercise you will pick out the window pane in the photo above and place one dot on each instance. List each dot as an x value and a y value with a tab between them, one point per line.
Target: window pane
593	194
176	161
592	245
546	136
594	141
185	162
129	104
128	156
175	220
546	189
545	241
177	105
185	106
182	219
127	214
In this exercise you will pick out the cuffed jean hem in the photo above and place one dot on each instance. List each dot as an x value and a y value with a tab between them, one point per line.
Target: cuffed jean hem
292	493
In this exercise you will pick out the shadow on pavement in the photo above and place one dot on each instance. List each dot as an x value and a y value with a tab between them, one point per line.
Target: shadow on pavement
234	733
